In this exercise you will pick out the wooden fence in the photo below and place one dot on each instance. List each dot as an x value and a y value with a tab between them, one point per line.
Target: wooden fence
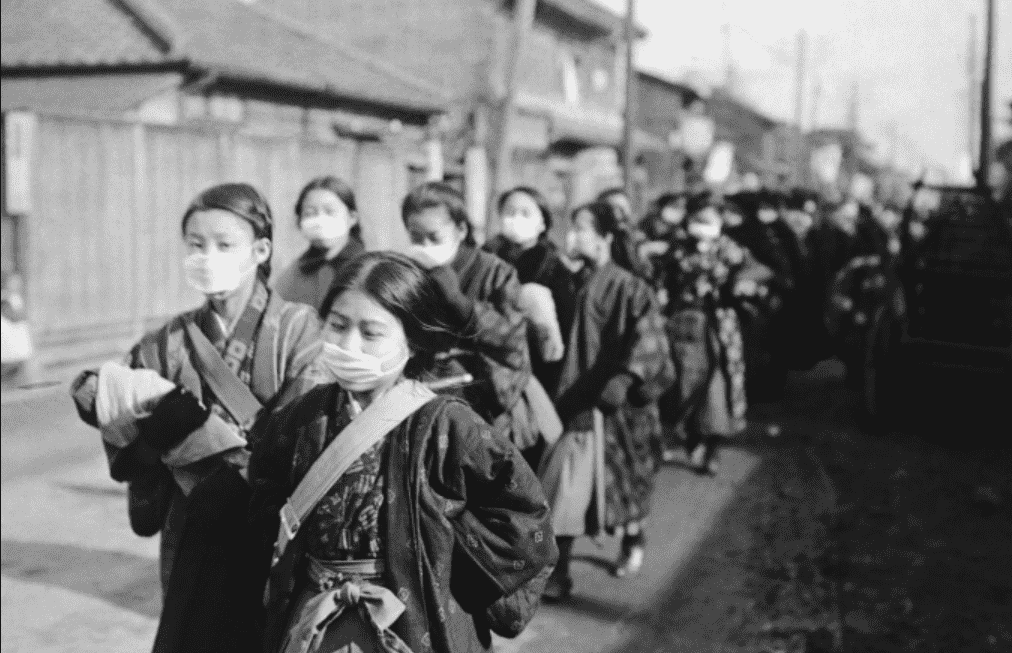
102	248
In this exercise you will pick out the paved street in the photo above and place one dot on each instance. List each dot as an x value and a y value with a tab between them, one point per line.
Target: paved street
75	578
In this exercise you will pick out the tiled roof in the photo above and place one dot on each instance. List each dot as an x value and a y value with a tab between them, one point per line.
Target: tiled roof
592	13
74	32
252	43
224	37
95	95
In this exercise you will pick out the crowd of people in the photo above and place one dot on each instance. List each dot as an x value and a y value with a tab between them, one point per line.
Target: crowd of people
398	449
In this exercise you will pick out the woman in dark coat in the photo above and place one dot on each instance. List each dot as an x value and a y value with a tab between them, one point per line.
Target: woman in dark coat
328	218
766	324
708	273
183	450
484	293
438	534
523	243
617	364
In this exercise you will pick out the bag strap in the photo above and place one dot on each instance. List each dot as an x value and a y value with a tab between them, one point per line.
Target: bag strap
234	395
369	427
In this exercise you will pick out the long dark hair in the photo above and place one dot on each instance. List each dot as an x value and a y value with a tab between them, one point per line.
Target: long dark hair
406	290
434	194
539	200
245	202
338	187
607	221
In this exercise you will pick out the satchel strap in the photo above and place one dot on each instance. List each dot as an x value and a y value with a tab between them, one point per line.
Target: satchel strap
234	395
369	427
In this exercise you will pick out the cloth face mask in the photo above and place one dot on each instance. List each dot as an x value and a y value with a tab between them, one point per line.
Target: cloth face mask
704	231
216	273
520	230
433	256
360	372
324	227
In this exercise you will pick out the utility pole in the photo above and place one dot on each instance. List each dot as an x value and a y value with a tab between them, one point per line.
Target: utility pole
730	74
984	170
629	123
813	121
971	80
523	20
799	102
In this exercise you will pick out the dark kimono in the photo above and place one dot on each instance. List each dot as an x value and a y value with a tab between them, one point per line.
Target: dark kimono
617	331
451	509
207	552
541	265
493	346
309	278
706	338
769	326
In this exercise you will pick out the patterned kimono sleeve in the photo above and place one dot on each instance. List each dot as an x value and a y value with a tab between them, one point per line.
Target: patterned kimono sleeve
648	356
300	342
273	439
742	263
499	514
499	330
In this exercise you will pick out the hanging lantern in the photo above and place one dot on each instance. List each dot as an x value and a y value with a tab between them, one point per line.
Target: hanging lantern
696	134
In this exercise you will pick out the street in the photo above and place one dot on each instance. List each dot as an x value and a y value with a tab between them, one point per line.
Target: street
749	560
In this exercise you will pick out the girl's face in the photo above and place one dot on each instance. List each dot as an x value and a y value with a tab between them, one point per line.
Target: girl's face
222	250
435	236
357	323
583	242
522	221
325	219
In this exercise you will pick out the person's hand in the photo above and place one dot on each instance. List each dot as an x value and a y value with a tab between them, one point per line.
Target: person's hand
552	347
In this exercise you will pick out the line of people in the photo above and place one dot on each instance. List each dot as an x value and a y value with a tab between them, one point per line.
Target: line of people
396	450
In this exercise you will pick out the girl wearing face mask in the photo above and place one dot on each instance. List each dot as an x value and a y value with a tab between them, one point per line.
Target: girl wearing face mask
707	272
395	556
484	293
327	217
768	322
600	475
175	415
523	243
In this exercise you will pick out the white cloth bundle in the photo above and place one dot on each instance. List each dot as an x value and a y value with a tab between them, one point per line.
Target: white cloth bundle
538	306
125	396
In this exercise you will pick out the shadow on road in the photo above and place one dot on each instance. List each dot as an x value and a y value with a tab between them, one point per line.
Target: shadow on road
122	579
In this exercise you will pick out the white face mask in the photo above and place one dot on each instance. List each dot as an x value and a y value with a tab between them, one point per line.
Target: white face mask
217	272
433	256
325	227
360	372
521	229
704	230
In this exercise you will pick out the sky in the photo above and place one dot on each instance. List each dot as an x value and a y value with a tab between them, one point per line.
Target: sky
907	58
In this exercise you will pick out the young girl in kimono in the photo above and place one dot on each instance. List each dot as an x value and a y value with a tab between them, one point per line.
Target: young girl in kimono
483	292
438	532
327	217
600	475
524	244
174	419
707	273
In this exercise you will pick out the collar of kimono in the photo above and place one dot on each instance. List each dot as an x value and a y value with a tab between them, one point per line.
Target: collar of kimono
466	255
315	258
237	345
